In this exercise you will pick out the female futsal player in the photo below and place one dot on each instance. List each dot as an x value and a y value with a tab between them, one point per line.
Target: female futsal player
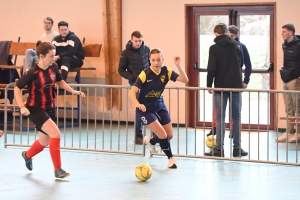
150	104
40	81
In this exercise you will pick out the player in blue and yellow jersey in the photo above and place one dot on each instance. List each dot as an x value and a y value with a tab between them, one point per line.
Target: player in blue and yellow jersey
151	107
40	107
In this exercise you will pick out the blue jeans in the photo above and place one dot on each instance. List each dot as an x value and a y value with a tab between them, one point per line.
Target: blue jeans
235	117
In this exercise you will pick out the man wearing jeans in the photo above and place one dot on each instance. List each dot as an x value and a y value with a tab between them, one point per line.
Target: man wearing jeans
224	63
133	60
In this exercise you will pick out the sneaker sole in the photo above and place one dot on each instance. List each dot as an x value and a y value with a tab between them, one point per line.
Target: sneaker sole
174	166
67	175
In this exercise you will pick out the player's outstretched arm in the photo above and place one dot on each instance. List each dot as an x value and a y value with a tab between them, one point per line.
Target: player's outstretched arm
132	97
1	133
182	75
66	86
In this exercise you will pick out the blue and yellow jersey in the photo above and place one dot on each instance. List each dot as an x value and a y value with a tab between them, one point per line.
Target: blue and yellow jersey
152	85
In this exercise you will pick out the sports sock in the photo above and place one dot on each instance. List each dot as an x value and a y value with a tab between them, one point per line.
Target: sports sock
154	140
165	146
35	148
55	152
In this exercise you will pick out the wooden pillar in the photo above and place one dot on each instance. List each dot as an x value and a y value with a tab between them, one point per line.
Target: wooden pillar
112	49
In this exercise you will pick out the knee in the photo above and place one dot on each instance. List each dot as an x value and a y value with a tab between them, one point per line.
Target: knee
66	61
44	143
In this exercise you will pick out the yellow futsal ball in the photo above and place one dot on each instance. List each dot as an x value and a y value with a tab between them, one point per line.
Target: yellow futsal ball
209	141
143	172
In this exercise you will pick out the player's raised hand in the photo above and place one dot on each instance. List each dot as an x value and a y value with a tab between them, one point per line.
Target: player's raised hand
177	60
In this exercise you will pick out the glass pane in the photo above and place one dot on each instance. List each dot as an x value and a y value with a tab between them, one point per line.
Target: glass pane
206	35
255	34
255	104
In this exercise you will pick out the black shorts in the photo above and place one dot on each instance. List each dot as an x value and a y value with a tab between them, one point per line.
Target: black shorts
39	116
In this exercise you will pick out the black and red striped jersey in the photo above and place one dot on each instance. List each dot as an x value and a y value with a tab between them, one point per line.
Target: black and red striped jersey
152	85
41	86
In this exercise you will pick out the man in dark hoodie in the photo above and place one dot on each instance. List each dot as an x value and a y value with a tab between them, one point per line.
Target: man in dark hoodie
224	70
69	51
233	32
290	73
134	59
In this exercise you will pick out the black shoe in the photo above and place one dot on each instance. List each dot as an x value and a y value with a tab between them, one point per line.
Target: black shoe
138	140
212	131
28	162
217	153
60	173
236	153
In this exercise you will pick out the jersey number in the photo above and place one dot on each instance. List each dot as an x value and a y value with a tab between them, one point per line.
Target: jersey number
144	120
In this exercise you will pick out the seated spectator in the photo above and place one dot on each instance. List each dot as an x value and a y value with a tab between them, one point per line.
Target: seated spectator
69	51
31	58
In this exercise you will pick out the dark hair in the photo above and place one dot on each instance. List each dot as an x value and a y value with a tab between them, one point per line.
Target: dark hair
137	34
44	48
155	51
63	23
233	29
38	43
221	29
290	27
49	19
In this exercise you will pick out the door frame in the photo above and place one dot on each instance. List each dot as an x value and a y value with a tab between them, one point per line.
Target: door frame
191	53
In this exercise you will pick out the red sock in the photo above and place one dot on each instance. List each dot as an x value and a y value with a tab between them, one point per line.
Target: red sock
55	152
35	148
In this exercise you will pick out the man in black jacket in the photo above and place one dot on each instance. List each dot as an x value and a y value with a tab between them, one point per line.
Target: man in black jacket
224	63
133	60
290	73
69	51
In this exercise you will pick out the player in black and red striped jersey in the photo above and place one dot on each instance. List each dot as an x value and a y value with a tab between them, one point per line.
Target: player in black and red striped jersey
152	110
40	105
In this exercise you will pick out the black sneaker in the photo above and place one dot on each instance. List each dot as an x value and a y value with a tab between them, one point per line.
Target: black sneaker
213	131
236	153
217	153
28	162
60	173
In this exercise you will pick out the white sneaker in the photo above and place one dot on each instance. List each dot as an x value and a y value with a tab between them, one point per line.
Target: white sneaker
294	138
152	148
284	137
172	163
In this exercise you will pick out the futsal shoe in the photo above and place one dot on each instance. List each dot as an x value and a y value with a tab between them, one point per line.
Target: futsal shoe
60	173
172	163
152	148
28	162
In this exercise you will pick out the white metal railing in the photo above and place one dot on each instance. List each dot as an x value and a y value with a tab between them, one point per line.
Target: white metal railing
87	124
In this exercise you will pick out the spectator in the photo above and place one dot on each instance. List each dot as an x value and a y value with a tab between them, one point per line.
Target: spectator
69	51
